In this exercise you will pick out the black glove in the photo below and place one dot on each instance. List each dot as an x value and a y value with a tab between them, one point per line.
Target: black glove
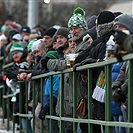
75	66
118	95
44	62
43	112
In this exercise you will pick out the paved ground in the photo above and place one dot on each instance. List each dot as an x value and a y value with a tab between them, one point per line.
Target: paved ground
3	126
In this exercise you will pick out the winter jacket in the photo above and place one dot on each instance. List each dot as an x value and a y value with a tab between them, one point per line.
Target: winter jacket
56	86
38	68
16	67
59	65
116	108
122	80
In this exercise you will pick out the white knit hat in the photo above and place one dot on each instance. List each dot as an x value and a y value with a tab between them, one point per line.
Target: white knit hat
36	44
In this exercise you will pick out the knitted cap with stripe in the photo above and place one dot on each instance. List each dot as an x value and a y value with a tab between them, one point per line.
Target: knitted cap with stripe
16	47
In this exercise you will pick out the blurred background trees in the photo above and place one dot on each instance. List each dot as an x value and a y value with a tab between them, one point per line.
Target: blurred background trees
56	12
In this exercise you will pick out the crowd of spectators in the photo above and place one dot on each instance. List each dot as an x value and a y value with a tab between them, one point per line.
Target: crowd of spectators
40	50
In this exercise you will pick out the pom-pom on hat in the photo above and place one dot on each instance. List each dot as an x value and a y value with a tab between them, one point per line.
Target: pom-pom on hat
63	32
78	19
16	47
52	55
105	17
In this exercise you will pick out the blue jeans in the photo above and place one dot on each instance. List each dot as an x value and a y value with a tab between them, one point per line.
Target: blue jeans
25	126
119	118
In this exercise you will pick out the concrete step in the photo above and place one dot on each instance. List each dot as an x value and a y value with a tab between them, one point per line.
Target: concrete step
3	127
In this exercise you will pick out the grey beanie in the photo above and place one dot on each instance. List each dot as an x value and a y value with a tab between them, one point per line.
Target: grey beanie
126	21
63	31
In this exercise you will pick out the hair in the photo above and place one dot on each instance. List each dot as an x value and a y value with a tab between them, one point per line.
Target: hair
42	46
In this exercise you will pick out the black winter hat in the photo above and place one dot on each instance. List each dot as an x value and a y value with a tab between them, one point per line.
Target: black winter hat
105	17
92	32
54	38
50	32
12	33
25	29
126	21
63	32
91	21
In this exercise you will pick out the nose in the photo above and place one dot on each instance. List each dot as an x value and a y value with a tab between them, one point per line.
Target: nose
58	39
73	31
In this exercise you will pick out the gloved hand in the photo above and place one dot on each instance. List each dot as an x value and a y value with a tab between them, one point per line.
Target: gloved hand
44	62
118	95
119	37
43	112
75	66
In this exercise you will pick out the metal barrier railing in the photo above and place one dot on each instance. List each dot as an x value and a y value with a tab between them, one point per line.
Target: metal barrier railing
107	123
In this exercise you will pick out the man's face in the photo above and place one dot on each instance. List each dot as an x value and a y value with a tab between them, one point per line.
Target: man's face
119	27
33	36
41	51
72	44
47	41
55	45
76	32
17	56
61	40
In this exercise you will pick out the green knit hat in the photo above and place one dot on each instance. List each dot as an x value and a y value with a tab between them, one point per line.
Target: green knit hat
78	19
52	55
24	65
16	47
30	44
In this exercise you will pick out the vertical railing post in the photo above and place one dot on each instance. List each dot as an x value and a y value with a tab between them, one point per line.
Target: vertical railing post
1	66
51	104
8	108
61	96
130	94
4	103
26	105
89	99
20	107
33	107
41	100
74	100
108	82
